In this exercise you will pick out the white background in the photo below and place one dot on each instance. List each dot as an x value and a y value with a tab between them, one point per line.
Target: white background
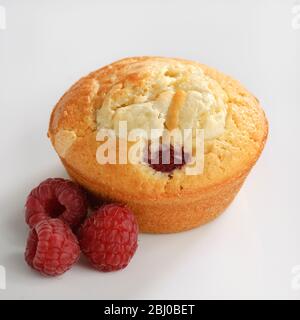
250	251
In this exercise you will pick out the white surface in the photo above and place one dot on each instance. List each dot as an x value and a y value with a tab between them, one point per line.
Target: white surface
247	253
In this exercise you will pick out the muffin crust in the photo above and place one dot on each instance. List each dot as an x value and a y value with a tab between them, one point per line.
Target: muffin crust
236	125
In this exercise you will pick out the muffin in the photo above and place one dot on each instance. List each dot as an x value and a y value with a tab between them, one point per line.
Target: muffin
163	94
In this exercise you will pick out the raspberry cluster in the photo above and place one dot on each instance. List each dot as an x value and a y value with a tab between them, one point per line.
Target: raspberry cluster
57	210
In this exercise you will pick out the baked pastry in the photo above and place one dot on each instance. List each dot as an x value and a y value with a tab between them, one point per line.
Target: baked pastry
156	92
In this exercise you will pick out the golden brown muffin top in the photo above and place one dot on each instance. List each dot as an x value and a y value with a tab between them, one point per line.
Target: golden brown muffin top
160	92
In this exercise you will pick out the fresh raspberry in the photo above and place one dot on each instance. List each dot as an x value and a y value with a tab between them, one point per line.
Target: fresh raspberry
57	198
109	237
52	248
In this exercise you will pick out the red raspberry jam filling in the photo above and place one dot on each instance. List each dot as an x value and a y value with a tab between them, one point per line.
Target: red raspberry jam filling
167	158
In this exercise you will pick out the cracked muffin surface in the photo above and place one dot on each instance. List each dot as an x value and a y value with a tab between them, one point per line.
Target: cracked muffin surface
156	92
